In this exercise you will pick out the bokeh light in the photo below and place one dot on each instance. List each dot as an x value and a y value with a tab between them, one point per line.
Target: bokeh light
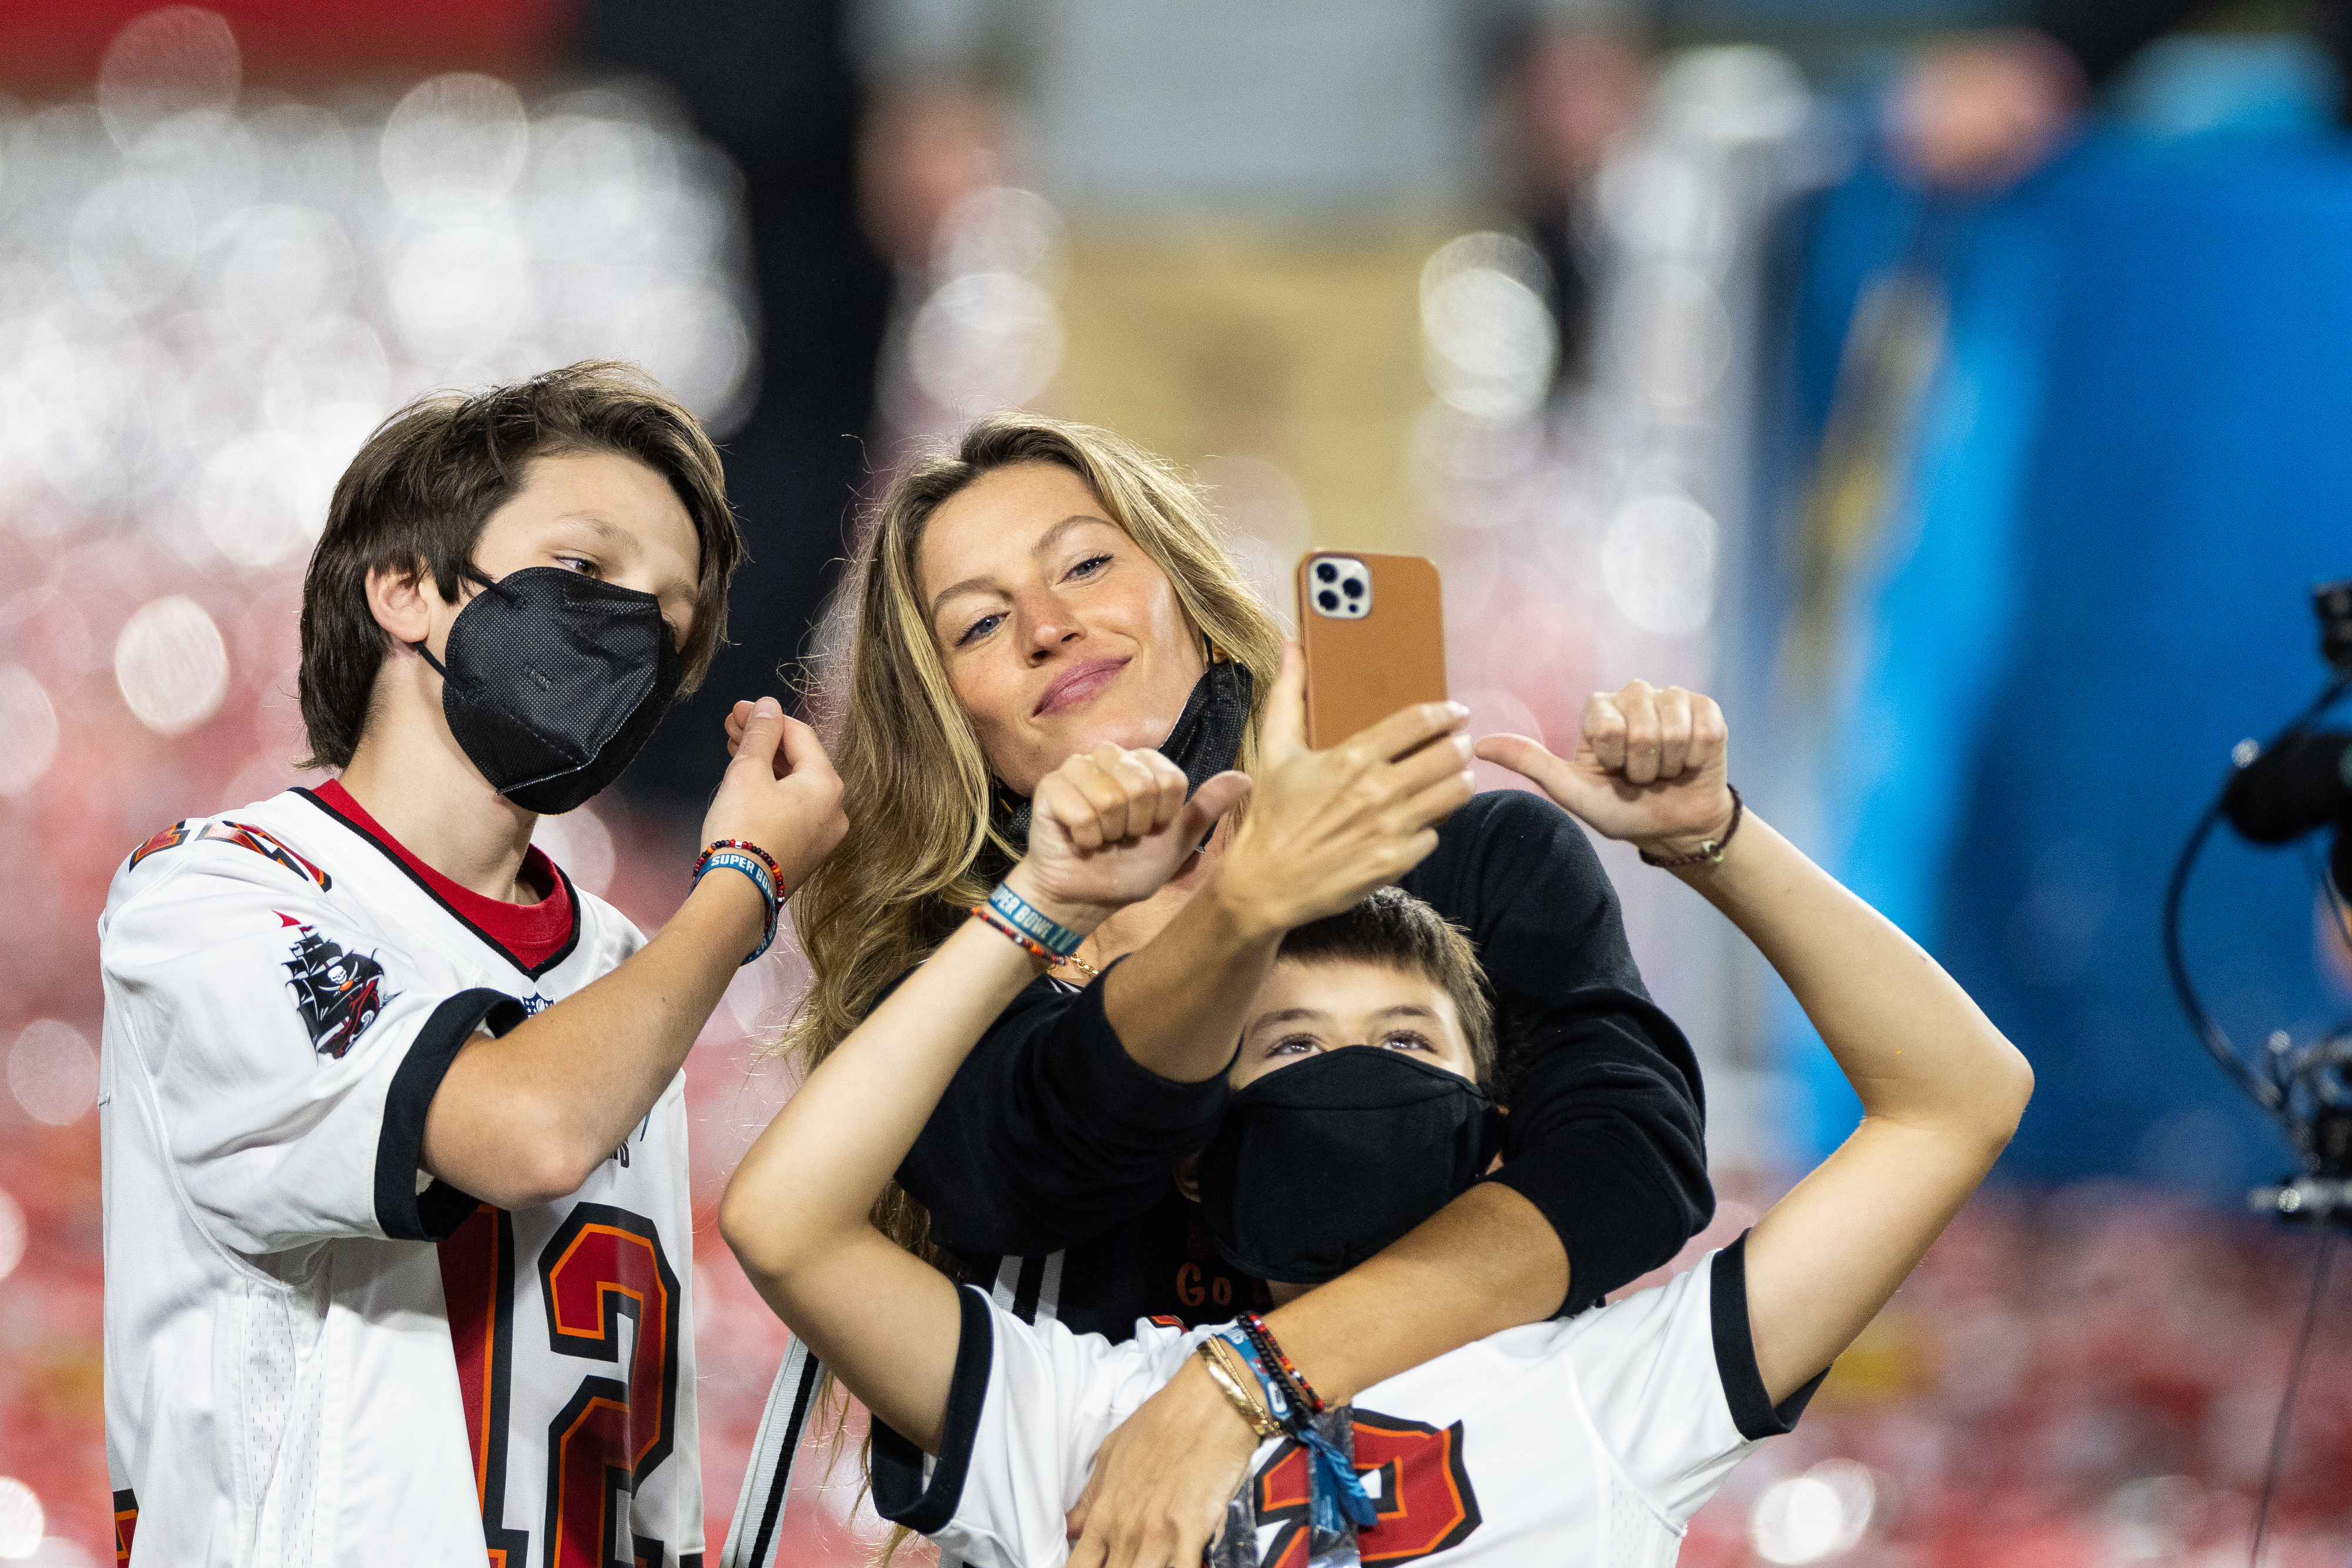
22	1520
173	61
1489	343
53	1072
14	1233
171	665
1658	559
455	146
984	330
1816	1516
28	730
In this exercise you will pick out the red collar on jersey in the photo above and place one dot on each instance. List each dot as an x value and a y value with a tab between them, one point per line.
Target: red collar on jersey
532	935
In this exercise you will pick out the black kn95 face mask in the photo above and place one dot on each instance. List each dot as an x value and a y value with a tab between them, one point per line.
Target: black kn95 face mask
554	682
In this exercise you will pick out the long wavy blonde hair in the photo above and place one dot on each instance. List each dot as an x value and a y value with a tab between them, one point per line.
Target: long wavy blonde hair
923	845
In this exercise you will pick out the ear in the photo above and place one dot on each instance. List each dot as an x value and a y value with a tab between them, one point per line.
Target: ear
402	600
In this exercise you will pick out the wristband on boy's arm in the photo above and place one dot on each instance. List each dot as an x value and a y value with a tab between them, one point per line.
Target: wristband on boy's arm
1335	1496
717	858
1238	1385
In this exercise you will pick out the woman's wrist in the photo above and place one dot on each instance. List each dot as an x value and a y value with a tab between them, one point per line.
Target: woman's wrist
1247	916
1071	914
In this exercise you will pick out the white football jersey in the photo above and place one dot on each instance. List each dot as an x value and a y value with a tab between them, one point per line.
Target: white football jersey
1586	1440
315	1353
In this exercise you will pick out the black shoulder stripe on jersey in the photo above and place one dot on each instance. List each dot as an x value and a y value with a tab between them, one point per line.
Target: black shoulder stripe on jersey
571	938
899	1495
406	1214
1752	1410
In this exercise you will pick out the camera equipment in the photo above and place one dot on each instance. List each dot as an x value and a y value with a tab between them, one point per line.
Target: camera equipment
2299	783
2296	785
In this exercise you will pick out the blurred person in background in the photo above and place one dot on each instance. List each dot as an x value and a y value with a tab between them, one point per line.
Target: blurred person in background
381	1084
1252	191
1976	112
1046	590
1573	92
769	82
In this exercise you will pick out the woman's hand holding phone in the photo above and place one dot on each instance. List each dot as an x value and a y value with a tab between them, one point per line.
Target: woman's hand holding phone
1648	768
1325	828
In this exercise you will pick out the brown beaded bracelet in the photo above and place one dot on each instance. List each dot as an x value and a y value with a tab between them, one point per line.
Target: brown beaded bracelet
995	922
1709	850
748	848
1301	1391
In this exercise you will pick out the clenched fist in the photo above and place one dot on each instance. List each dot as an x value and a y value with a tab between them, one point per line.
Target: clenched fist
1648	768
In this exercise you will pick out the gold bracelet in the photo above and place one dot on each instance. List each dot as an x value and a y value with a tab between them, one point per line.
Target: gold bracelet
1261	1421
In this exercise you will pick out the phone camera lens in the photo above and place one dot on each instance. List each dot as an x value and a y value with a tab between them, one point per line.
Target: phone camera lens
1325	572
1353	588
1328	599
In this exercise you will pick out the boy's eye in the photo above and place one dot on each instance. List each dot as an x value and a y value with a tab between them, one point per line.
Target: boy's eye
579	564
1403	1039
1292	1045
978	628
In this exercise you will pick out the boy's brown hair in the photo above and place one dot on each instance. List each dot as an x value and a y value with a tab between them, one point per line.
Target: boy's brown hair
418	493
1393	928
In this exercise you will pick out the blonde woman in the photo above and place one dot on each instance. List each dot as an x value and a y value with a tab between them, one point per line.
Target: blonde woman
1047	591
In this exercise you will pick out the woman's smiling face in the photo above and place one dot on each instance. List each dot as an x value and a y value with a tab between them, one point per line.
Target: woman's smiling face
1057	630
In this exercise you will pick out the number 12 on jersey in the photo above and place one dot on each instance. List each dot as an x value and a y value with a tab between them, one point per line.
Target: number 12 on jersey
602	1265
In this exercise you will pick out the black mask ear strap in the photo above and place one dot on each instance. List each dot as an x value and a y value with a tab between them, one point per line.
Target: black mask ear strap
467	571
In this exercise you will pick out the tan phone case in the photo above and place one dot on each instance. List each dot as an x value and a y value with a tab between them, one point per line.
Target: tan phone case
1384	648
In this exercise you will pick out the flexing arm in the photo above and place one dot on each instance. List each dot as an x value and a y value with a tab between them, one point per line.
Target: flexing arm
525	1118
1941	1088
796	1211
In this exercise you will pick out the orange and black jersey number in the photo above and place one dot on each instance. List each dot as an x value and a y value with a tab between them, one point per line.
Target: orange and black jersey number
1423	1495
603	1265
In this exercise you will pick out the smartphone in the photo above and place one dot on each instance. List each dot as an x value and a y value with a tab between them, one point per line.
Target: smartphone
1374	632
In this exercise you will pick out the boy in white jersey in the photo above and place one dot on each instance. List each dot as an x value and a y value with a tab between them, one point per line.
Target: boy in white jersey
398	1236
1588	1440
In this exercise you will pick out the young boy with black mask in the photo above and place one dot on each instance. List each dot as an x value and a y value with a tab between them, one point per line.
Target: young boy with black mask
1356	1109
392	1114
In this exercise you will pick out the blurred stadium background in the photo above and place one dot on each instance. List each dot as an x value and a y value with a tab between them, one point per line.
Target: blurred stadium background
1964	403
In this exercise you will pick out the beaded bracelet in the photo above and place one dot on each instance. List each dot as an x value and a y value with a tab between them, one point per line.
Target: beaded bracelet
1709	850
1293	1379
1335	1494
736	860
1057	939
748	848
995	922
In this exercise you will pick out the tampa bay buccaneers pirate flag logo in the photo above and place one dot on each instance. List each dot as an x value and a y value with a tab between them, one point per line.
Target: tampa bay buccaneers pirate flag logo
337	993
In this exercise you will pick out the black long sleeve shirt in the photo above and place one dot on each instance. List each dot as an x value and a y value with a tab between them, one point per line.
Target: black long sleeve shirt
1047	1165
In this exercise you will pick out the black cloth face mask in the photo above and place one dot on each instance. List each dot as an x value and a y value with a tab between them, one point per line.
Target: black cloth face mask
1320	1165
1204	743
553	682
